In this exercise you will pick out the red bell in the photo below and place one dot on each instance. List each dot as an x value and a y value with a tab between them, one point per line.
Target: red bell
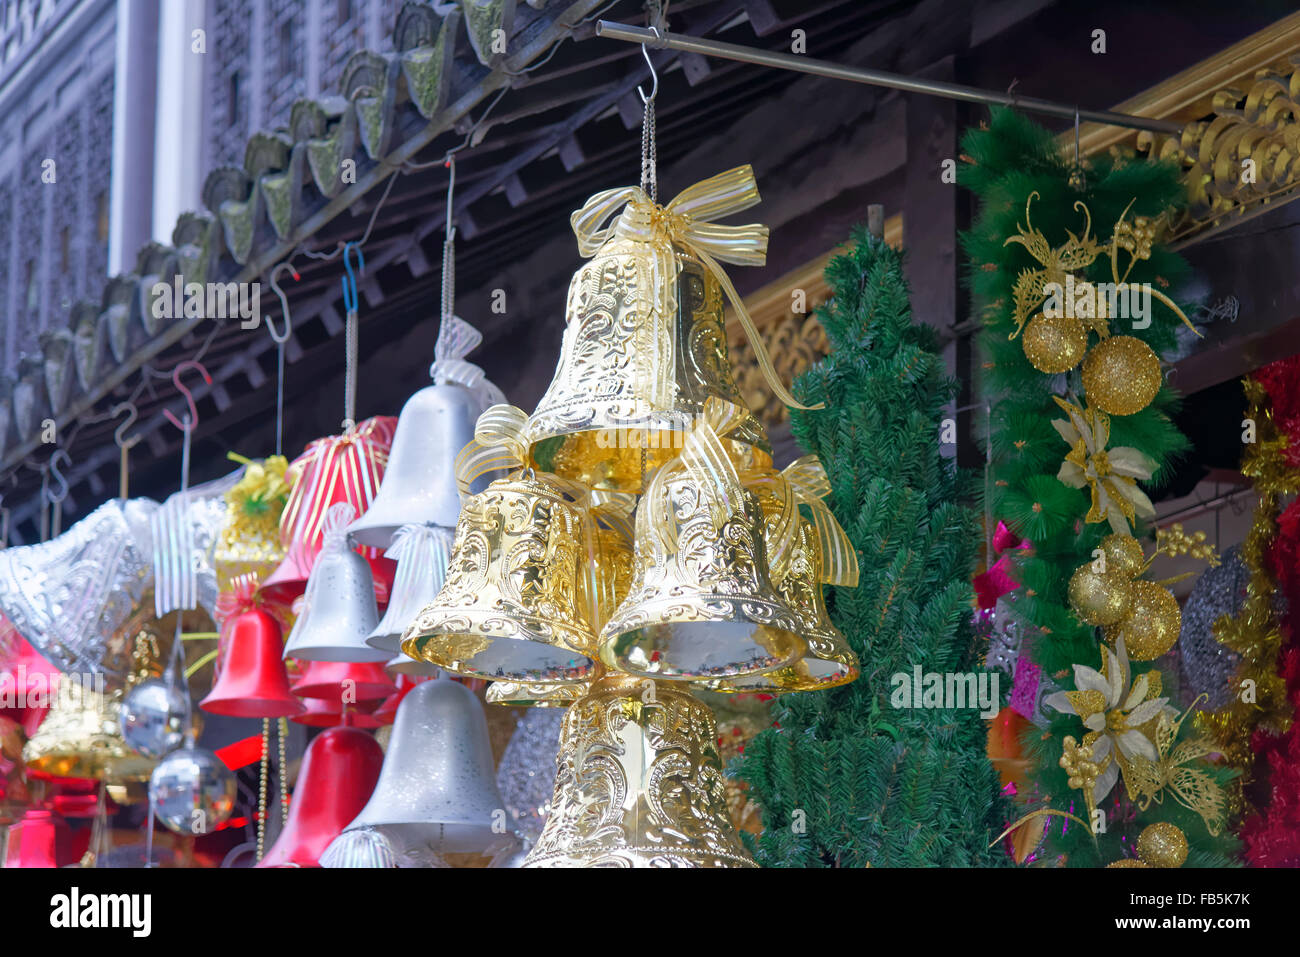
252	682
34	841
344	682
386	713
339	771
322	713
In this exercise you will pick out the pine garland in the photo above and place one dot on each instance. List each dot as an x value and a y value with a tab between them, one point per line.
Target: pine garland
1003	165
844	779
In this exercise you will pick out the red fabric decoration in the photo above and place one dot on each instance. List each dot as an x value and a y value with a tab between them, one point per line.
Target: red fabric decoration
1272	835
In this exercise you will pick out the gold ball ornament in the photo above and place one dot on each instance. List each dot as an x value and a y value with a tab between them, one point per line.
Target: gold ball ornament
1054	344
1121	375
1124	555
1151	627
1099	599
1162	845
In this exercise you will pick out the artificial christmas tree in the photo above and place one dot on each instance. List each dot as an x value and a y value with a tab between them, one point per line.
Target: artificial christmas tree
847	777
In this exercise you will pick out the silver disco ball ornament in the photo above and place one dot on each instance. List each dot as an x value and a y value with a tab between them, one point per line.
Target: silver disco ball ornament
192	791
153	717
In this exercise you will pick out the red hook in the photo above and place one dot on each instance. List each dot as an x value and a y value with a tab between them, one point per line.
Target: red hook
189	396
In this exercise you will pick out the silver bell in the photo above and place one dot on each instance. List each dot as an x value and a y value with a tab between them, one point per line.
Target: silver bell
403	664
338	612
419	485
437	787
421	553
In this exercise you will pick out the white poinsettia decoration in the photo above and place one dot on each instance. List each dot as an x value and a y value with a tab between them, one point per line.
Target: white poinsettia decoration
1120	718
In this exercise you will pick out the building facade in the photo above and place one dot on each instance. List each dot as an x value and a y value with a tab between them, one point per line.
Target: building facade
112	113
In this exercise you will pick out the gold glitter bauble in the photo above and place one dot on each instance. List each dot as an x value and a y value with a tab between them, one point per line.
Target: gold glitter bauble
1121	375
1151	627
1124	555
1127	862
1099	599
1054	344
1163	845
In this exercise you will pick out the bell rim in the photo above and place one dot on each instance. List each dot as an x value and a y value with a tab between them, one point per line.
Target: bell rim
458	666
119	769
636	857
784	623
226	711
741	685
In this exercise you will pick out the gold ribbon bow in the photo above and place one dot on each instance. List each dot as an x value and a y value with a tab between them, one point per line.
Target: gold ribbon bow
686	221
807	477
704	456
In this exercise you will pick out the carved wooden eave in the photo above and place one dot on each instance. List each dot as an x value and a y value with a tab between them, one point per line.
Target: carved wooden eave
1241	104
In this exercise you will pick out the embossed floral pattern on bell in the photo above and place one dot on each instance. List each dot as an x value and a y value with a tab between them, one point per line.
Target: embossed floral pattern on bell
539	694
642	351
702	604
829	661
512	606
639	783
644	344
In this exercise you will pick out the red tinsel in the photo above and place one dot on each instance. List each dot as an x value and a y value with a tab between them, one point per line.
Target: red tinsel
1272	835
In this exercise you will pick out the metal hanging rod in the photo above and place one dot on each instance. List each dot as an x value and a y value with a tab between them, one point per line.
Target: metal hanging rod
894	81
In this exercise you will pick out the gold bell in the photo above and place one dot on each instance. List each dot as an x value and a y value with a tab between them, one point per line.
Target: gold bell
81	737
611	577
518	694
513	606
829	661
639	783
702	604
644	347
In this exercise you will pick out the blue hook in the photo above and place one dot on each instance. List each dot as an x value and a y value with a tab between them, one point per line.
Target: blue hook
350	298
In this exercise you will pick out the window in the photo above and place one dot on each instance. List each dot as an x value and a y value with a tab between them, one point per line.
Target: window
288	51
33	292
65	250
101	217
234	107
344	12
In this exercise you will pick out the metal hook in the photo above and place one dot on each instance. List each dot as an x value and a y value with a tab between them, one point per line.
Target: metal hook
132	414
193	419
58	476
350	297
280	338
654	90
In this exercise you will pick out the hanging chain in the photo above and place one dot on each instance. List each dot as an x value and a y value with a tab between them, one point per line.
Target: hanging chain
449	248
352	303
350	370
283	732
261	787
448	278
649	152
279	398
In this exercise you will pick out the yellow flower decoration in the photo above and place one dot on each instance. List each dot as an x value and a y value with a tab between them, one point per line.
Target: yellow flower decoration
1116	716
1110	475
